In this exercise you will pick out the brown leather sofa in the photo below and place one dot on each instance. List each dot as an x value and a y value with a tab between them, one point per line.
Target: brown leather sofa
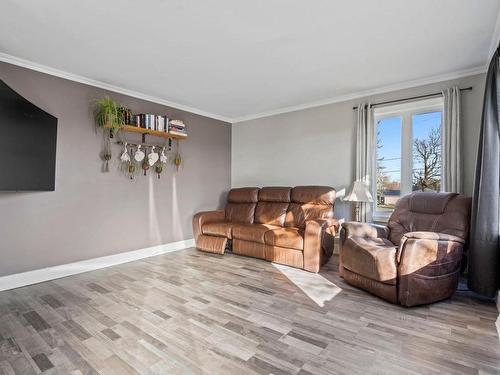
413	260
291	226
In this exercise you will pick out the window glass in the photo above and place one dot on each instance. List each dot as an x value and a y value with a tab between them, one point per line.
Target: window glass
426	173
388	167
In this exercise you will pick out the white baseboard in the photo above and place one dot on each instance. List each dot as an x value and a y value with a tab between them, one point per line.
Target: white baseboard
50	273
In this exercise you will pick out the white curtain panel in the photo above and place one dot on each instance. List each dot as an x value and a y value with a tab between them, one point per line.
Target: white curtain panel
452	144
365	151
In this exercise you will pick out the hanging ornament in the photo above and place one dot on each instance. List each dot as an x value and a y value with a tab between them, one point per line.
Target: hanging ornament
125	157
139	154
163	157
153	157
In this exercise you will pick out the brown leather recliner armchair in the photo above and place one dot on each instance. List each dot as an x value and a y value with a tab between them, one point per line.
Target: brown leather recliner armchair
291	226
413	260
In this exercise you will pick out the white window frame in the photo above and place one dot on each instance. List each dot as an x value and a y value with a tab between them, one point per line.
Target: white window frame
405	111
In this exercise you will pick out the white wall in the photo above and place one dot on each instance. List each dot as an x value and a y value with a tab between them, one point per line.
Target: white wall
316	146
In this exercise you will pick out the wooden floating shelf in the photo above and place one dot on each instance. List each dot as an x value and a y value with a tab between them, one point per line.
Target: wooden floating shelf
156	133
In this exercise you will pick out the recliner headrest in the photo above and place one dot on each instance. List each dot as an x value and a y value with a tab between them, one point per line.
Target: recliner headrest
430	203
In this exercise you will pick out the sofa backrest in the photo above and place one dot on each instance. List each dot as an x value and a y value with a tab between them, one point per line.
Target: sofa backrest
273	205
447	213
309	202
241	204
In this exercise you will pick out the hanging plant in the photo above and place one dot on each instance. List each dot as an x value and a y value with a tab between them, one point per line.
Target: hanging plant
159	169
177	160
160	164
106	152
131	169
145	166
109	113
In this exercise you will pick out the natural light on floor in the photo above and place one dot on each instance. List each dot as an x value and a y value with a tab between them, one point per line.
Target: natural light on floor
315	286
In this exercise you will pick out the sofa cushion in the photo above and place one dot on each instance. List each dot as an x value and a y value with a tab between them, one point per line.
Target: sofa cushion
309	202
275	194
373	258
252	232
297	214
219	229
271	213
240	212
285	237
321	195
243	195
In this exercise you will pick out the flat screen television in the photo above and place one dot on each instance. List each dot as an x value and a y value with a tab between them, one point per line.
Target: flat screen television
28	137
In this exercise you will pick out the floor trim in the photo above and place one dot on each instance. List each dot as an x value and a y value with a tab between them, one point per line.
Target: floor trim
50	273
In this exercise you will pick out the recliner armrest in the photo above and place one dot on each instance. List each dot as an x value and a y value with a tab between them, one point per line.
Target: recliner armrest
353	228
433	236
418	250
206	217
428	265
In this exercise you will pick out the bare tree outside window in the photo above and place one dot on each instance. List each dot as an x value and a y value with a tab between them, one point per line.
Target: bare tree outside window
427	161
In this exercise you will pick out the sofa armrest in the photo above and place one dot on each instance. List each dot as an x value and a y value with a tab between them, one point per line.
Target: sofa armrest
313	241
205	217
420	251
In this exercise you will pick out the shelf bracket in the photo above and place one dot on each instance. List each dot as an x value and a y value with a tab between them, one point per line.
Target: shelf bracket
143	137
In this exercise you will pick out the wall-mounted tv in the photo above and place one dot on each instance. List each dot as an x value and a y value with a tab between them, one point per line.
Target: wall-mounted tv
28	137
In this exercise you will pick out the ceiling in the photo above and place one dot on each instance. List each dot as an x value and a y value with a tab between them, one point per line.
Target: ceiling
235	59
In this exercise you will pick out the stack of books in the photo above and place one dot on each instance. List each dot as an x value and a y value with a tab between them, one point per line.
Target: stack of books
150	121
177	127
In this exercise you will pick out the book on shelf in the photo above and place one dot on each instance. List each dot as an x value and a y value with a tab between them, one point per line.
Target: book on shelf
158	123
151	122
177	127
182	134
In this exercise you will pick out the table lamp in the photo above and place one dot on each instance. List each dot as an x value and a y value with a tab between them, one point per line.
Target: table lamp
359	194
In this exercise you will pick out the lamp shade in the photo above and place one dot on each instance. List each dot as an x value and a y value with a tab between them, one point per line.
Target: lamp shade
359	193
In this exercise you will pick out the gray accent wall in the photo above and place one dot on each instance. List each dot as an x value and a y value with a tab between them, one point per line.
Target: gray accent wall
317	145
93	214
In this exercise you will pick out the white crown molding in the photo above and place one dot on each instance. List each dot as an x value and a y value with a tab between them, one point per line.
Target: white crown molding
495	39
91	82
45	274
336	99
362	94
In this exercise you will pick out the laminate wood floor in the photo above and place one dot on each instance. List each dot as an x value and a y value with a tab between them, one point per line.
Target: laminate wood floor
194	313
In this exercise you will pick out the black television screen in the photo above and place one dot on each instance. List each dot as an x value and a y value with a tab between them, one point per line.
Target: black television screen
28	137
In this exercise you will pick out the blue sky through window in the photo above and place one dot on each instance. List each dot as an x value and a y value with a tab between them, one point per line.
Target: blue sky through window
389	137
389	134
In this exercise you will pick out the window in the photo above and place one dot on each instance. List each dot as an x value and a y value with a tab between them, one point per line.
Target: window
408	152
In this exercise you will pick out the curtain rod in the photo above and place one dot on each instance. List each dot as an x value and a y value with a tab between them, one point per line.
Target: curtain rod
412	98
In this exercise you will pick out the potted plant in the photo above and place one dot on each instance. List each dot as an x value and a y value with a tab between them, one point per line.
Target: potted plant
109	113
